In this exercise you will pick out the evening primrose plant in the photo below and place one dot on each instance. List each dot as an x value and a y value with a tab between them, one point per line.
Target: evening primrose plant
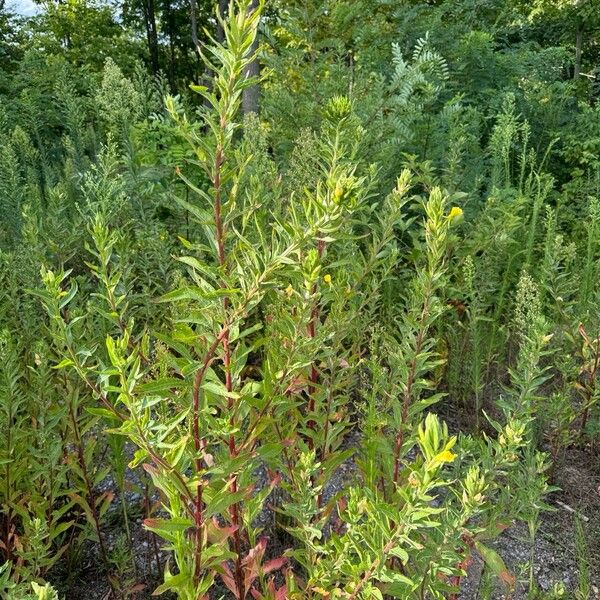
243	402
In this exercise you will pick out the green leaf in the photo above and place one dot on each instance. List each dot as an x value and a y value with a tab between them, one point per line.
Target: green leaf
161	385
222	501
195	264
197	294
66	362
494	561
218	389
101	412
173	582
399	553
69	295
173	525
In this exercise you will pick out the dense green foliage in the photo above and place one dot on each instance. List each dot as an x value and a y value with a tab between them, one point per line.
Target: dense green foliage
253	314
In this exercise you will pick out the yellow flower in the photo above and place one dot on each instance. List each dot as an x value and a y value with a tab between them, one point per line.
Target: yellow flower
455	213
327	279
338	193
289	290
445	456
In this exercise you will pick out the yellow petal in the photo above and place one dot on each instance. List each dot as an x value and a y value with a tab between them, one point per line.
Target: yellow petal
445	456
455	213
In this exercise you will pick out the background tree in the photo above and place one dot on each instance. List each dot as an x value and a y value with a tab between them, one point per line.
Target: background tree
251	95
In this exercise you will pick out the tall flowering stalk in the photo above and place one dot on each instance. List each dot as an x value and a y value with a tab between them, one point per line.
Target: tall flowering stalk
423	310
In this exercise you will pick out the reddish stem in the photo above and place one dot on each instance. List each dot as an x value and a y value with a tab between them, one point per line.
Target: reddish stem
463	565
199	443
407	397
220	238
312	332
325	436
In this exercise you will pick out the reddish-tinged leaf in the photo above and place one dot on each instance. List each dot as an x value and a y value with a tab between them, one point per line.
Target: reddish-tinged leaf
274	565
150	523
252	562
276	594
508	578
150	469
298	384
275	478
217	534
494	561
257	552
281	593
228	580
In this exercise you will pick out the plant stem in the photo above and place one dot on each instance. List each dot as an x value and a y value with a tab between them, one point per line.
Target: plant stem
407	396
152	534
312	332
128	531
232	409
91	495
